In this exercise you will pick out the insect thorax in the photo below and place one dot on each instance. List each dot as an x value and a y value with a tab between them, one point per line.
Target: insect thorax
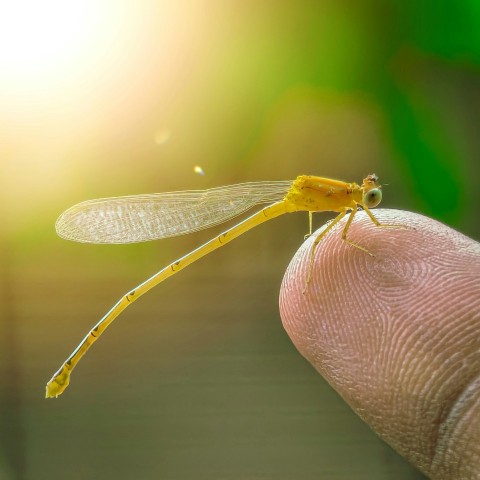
316	194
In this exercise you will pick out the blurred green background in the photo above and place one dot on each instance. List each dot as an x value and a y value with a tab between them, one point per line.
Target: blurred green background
101	98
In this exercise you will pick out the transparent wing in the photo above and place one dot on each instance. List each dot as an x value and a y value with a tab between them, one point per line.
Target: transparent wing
139	218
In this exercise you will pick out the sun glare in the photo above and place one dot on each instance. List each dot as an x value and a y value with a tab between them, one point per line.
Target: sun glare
76	76
52	73
40	37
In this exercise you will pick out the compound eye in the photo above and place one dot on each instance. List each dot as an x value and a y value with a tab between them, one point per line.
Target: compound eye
372	198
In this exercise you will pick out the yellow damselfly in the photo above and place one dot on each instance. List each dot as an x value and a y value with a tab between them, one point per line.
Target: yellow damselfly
141	218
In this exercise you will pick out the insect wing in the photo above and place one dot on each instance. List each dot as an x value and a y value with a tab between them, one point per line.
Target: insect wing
140	218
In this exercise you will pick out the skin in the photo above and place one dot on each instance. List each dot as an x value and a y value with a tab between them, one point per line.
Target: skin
397	335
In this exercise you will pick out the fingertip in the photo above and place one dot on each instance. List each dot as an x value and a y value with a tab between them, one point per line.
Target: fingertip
392	333
341	273
347	284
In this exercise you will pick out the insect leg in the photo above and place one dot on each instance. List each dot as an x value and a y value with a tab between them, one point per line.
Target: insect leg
310	225
377	223
317	240
347	226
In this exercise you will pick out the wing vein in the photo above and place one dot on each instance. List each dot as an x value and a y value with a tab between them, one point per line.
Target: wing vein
140	218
